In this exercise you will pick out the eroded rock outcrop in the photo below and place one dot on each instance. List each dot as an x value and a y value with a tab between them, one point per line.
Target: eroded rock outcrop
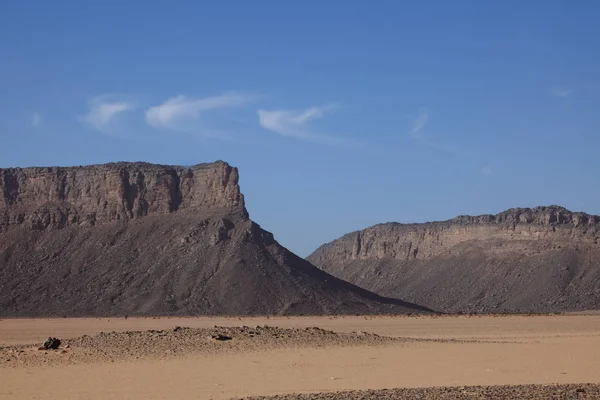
523	259
55	197
144	239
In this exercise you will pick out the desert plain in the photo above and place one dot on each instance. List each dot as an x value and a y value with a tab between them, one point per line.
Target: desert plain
184	358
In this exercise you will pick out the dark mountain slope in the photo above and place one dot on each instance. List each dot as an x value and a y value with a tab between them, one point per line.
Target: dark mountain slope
143	239
544	259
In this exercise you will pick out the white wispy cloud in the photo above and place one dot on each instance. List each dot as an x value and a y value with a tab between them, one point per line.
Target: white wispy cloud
562	92
103	110
36	119
419	123
177	110
295	124
439	146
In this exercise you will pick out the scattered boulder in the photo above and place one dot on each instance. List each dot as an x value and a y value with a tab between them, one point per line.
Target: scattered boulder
50	344
221	337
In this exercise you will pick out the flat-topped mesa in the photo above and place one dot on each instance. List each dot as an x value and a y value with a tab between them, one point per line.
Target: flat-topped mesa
545	215
399	241
55	197
144	239
542	215
542	259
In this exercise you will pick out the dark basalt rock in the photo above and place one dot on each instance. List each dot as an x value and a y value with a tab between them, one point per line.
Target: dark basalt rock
51	344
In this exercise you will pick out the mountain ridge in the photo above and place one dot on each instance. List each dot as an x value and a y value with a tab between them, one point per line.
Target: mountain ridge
477	263
542	215
146	239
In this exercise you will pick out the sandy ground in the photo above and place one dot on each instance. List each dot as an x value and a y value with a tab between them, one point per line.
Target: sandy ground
440	351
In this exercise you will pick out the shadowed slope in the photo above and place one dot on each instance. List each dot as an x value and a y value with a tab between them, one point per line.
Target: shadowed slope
544	259
142	239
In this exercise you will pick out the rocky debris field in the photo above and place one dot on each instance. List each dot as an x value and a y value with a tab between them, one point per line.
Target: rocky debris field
529	392
180	342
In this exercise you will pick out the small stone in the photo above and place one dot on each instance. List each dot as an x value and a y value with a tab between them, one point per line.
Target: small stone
221	337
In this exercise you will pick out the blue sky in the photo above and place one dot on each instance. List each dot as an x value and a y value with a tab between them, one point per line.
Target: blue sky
339	114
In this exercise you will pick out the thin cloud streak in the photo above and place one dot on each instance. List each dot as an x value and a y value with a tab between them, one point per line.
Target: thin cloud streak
486	170
36	119
562	92
421	120
439	146
179	109
419	123
103	111
294	124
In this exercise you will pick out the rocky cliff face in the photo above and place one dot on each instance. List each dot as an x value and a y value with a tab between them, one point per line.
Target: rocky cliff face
555	225
56	197
482	263
144	239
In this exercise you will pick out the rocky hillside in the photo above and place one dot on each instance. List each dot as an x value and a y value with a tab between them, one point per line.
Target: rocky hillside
144	239
542	259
